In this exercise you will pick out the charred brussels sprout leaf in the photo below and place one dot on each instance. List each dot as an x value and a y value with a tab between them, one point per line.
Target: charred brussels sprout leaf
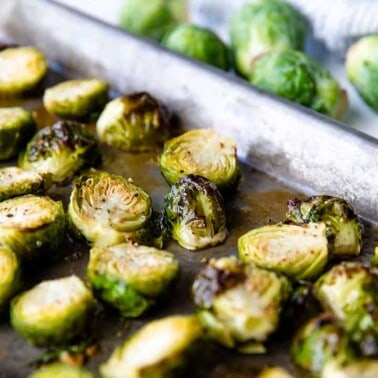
363	368
107	209
61	150
131	278
300	252
22	68
17	126
53	312
319	342
350	292
16	181
31	226
202	152
61	370
296	77
362	69
176	337
198	43
194	213
264	26
344	230
76	99
239	306
134	123
10	276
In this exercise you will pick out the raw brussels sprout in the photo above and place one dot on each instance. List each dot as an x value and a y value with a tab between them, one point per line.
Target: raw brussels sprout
17	126
318	342
202	152
16	181
76	99
350	292
157	350
263	26
131	278
362	68
61	150
53	312
31	226
274	372
10	276
194	213
135	123
295	76
22	68
107	209
361	368
152	18
300	252
198	43
344	229
61	370
239	306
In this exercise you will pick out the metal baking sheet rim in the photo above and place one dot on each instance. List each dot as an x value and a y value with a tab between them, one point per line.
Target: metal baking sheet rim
285	140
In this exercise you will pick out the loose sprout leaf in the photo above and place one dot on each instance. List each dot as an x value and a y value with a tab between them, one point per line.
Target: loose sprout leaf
61	370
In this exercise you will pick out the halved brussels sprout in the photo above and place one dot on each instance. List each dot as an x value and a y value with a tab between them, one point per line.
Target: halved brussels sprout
300	252
239	306
296	77
136	123
263	26
362	68
275	372
202	152
131	278
61	150
10	276
17	126
194	213
61	370
31	226
16	181
107	209
350	292
159	349
76	99
198	43
22	68
152	18
344	229
319	342
53	312
361	368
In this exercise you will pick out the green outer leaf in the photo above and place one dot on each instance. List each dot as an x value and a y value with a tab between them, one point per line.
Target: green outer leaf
61	370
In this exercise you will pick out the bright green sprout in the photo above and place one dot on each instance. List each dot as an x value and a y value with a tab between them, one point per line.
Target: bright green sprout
61	370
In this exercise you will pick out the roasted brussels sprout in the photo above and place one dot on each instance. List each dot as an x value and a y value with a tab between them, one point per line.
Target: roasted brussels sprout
16	181
131	278
350	292
134	123
319	342
76	99
10	276
275	372
202	152
53	312
31	226
61	150
344	229
300	252
362	69
139	356
61	370
263	26
194	213
22	68
239	306
198	43
295	76
17	126
362	368
107	209
152	18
